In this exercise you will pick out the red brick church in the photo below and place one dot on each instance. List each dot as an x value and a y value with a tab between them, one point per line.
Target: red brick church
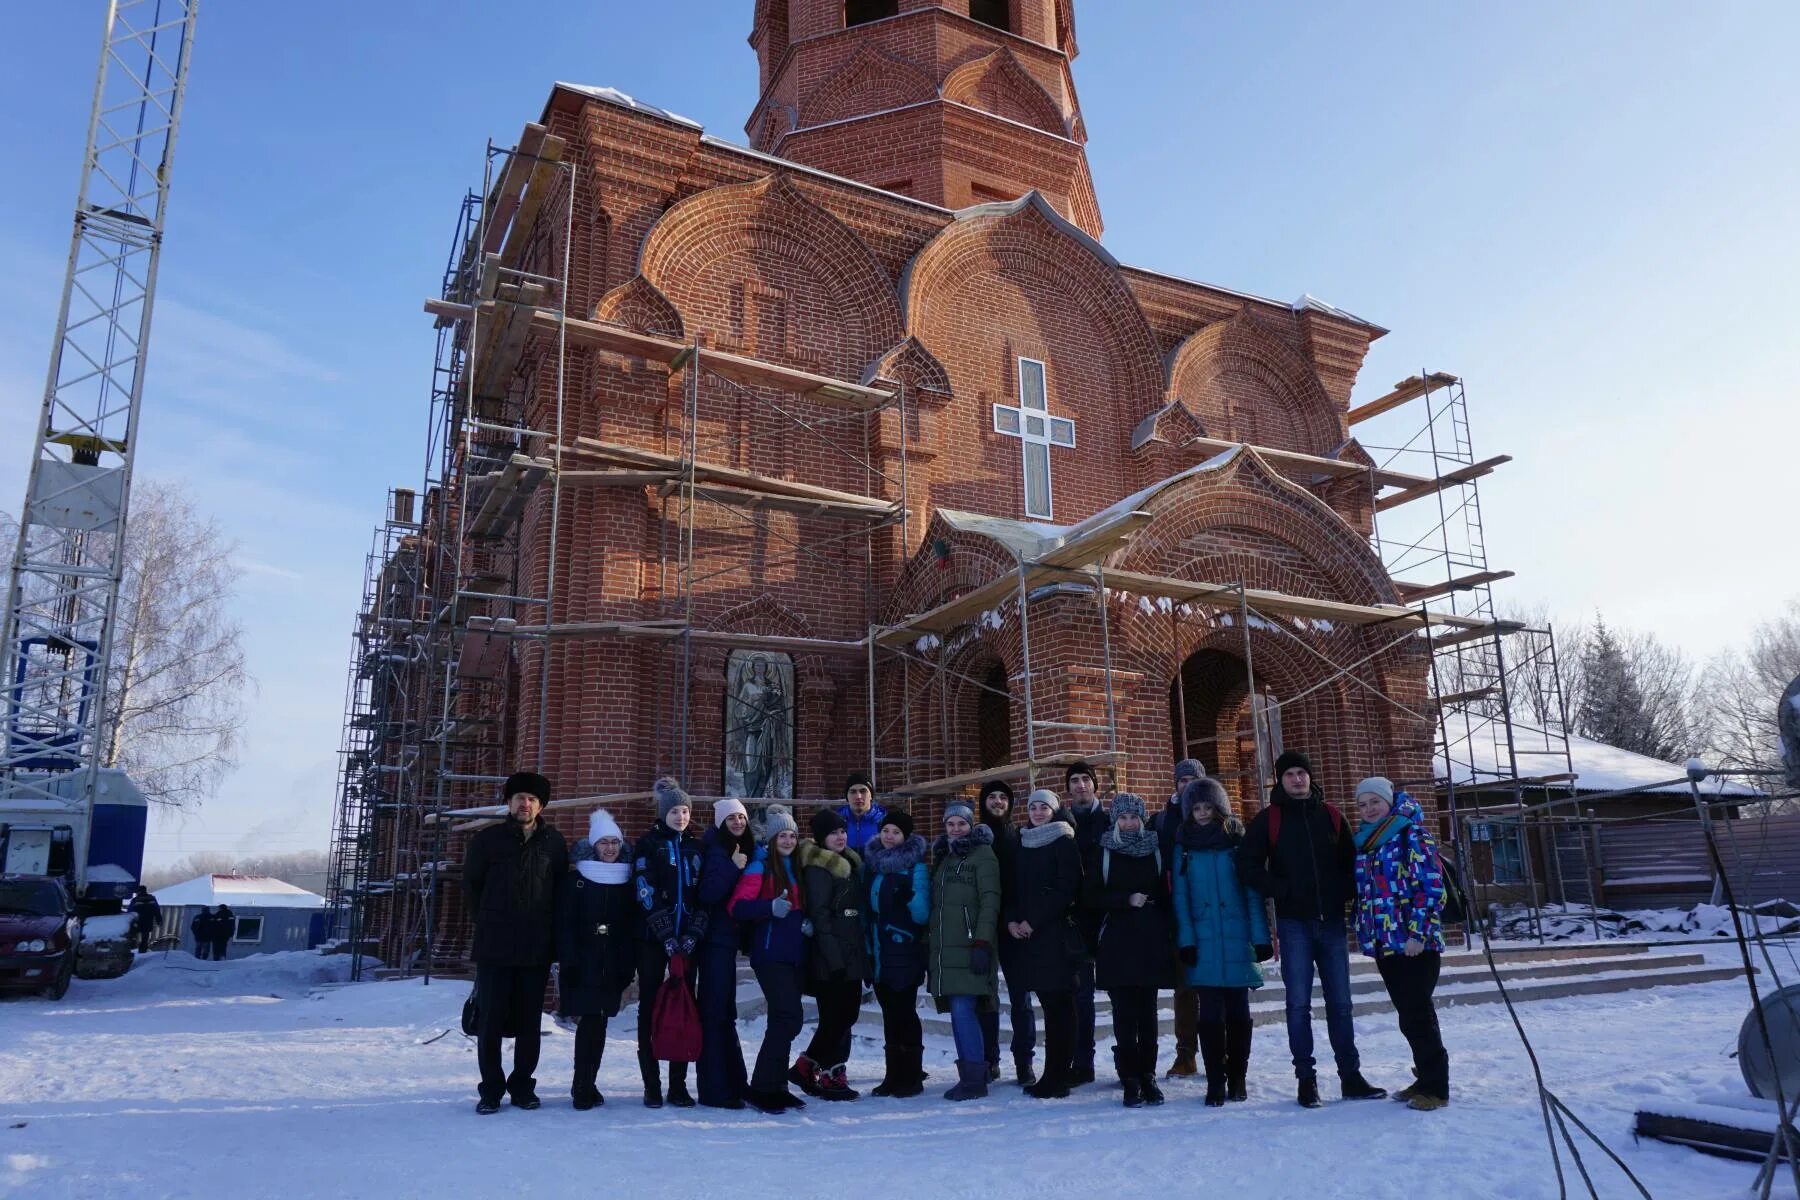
865	454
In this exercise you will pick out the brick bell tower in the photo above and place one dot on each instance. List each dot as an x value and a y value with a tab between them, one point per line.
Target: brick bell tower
957	102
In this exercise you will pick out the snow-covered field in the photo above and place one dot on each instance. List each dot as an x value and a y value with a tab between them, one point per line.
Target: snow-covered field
268	1077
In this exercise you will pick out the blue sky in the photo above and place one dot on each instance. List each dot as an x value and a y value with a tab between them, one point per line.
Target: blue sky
1587	211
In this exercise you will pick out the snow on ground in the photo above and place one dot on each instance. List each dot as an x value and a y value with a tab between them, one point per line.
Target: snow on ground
268	1076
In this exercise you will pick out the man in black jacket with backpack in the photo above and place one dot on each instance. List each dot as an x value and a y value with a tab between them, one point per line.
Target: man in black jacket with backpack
1299	852
510	876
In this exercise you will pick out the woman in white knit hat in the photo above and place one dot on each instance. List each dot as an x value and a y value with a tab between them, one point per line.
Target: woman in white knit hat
597	946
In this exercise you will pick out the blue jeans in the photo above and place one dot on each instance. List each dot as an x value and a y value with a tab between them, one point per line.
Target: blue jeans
1324	944
965	1027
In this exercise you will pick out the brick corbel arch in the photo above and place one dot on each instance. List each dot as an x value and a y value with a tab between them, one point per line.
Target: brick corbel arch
1241	347
1027	242
868	82
998	83
639	304
740	230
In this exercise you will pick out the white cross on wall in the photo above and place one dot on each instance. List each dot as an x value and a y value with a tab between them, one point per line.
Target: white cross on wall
1037	431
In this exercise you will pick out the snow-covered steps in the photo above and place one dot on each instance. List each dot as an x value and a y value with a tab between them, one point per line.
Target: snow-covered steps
1529	973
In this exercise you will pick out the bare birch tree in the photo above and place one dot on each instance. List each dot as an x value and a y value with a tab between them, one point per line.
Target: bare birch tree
176	682
1743	687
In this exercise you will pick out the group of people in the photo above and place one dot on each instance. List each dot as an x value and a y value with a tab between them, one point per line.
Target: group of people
1075	900
213	929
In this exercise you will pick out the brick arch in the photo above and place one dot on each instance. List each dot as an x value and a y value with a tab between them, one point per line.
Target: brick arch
998	83
1280	534
910	363
639	304
868	82
1066	278
924	583
820	298
1245	384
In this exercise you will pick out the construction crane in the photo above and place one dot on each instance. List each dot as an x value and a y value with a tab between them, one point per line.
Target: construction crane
60	812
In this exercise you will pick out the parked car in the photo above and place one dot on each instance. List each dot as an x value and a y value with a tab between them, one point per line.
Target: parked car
39	933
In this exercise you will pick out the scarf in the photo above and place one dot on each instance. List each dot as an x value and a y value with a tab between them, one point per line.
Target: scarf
1211	835
980	835
595	871
1033	836
1140	844
898	861
1369	837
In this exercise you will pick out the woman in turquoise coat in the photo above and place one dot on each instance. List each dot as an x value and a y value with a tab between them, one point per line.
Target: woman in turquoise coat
1222	933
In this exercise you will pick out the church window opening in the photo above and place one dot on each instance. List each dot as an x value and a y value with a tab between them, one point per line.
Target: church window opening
861	12
990	12
1037	431
759	725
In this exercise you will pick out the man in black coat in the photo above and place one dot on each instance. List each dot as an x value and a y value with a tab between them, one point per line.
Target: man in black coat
201	926
1081	810
149	915
224	927
510	876
1299	852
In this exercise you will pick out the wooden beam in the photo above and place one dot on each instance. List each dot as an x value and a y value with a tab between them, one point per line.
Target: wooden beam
1224	595
1475	633
634	458
739	368
955	783
1406	389
503	201
804	505
954	613
1480	693
1449	479
1496	785
671	630
1294	461
499	810
1412	593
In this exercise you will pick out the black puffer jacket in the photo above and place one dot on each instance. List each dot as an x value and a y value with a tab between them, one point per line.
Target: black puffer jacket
1310	871
1135	945
510	882
596	944
1046	887
832	894
666	871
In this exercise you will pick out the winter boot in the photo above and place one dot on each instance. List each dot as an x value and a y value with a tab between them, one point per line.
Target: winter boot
1421	1102
993	1072
1082	1072
1184	1066
1022	1068
767	1102
834	1084
971	1082
1309	1092
1134	1091
1053	1085
1237	1061
586	1096
1215	1092
906	1073
1152	1094
487	1108
1212	1052
892	1075
652	1073
678	1093
804	1074
1355	1087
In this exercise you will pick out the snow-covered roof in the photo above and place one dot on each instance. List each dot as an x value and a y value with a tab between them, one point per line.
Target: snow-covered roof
248	891
1598	766
614	96
1034	539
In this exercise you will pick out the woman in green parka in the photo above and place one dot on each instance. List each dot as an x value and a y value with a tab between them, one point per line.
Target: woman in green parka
1222	934
965	912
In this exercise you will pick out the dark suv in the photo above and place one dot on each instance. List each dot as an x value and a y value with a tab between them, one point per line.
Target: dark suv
38	932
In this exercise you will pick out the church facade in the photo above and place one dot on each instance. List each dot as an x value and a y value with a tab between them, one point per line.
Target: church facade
1043	518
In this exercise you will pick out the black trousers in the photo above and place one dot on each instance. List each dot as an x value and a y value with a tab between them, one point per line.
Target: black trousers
590	1047
721	1069
840	1001
900	1027
1410	984
220	948
1223	1028
1059	1033
1134	1029
508	996
202	950
653	968
780	983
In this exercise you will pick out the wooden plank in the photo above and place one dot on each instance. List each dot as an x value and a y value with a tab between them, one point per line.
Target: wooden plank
1450	479
499	810
1406	389
1475	633
545	169
1412	593
632	457
504	200
804	505
1223	595
1480	693
955	783
669	631
1496	785
954	613
1294	461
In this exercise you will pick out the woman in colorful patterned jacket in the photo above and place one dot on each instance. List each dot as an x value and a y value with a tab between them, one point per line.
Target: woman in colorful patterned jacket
766	901
1399	901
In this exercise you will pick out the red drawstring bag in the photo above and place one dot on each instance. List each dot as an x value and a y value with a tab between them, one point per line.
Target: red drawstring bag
675	1018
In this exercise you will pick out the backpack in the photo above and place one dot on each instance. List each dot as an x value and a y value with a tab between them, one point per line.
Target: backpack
1456	901
1274	810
